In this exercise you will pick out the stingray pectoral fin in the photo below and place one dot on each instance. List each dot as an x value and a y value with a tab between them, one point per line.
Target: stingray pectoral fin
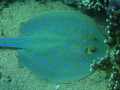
25	29
20	64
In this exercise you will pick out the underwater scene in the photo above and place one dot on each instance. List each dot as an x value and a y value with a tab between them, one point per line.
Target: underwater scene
59	44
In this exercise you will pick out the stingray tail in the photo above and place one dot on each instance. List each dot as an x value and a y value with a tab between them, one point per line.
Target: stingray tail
12	42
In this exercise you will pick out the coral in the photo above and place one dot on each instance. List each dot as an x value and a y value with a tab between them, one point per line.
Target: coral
114	4
111	62
96	4
89	4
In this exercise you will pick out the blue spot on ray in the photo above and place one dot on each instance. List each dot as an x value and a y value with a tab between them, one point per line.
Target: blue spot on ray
75	60
77	41
37	60
67	47
84	40
59	63
57	51
68	59
54	46
81	49
55	57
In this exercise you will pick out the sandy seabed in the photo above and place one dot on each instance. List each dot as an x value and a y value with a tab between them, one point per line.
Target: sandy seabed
15	78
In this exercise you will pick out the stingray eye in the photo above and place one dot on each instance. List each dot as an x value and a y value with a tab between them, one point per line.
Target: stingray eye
91	37
89	50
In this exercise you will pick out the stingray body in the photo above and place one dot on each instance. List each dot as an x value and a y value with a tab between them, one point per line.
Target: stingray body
58	46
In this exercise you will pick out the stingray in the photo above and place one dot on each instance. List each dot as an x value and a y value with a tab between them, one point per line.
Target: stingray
58	46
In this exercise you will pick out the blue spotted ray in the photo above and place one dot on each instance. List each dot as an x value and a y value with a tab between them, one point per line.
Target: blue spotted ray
58	46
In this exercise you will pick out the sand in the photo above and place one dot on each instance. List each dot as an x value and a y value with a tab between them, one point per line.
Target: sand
15	78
